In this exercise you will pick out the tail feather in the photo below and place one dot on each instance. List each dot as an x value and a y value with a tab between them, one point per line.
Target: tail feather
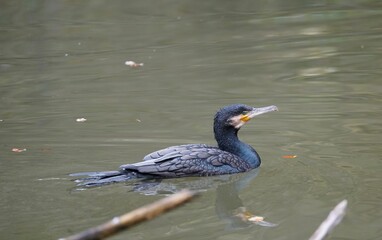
95	179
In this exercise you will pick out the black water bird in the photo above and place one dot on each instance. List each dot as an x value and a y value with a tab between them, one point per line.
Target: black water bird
230	156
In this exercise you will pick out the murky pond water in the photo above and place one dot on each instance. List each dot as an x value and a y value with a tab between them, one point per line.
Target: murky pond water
319	63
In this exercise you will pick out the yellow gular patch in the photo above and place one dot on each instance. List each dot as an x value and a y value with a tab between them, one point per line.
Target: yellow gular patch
245	118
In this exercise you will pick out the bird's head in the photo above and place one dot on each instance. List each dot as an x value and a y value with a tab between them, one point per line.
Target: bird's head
235	116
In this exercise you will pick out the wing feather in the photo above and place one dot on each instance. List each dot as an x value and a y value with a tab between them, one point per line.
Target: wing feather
190	159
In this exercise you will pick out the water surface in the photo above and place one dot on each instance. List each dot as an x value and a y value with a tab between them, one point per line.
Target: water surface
319	63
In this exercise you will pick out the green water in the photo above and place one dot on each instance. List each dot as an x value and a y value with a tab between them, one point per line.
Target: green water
319	63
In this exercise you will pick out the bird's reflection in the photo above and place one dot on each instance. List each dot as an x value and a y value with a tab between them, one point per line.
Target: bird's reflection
228	205
233	183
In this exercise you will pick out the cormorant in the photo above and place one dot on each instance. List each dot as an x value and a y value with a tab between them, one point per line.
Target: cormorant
230	156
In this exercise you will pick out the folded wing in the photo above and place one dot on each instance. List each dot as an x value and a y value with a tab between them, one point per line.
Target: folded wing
190	160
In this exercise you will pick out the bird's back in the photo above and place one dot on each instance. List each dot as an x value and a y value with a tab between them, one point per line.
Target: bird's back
188	160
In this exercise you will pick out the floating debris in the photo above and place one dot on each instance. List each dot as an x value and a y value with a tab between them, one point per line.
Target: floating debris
138	120
133	64
256	219
18	150
246	216
289	156
81	120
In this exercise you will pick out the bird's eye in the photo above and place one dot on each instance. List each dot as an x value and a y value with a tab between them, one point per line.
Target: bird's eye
245	112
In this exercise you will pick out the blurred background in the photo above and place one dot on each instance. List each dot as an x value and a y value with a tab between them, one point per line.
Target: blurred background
318	61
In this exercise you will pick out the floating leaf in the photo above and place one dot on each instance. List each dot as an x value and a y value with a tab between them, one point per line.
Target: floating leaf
81	120
133	64
18	150
246	216
256	219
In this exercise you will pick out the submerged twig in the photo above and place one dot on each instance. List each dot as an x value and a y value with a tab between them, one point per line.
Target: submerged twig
333	219
127	220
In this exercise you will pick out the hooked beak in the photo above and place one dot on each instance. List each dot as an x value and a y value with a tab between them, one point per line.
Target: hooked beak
258	111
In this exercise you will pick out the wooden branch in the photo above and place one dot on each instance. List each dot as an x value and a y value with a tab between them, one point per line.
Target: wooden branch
136	216
333	219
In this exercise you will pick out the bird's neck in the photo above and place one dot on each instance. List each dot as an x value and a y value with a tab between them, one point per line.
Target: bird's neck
228	141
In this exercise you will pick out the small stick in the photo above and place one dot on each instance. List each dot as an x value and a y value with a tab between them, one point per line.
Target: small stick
138	215
333	219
